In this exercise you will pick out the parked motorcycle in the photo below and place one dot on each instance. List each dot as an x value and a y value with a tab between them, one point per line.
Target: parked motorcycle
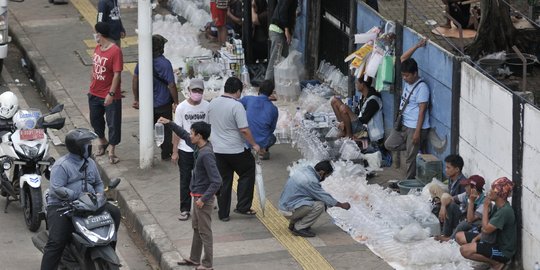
25	148
90	247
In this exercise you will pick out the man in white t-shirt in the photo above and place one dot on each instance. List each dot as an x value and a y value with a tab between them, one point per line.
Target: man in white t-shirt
230	131
192	110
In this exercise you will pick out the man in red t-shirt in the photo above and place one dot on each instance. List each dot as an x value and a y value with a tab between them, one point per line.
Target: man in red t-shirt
104	98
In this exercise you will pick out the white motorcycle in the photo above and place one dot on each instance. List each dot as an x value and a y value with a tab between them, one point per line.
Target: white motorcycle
25	144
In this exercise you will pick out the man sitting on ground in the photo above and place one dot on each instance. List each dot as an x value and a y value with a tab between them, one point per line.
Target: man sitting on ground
451	220
453	169
303	199
471	204
498	220
370	112
262	116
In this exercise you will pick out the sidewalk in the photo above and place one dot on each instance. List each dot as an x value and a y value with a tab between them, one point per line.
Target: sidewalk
53	40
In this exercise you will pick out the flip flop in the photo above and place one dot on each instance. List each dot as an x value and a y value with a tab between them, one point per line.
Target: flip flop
200	267
101	149
113	159
187	263
249	212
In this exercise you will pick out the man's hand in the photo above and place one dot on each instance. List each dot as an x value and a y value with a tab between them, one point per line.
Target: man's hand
416	137
442	213
473	195
174	105
135	105
163	120
344	205
256	147
341	126
122	35
199	203
421	43
108	100
288	36
174	157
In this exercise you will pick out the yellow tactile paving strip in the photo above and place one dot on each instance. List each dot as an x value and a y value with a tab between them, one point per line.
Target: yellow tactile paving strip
299	248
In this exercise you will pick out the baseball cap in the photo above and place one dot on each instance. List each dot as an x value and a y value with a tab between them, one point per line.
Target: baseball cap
475	180
196	84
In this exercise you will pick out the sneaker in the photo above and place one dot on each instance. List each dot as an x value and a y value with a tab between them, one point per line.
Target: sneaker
291	227
184	215
303	233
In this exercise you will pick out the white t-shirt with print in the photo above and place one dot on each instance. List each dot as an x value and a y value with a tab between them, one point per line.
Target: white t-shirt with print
187	114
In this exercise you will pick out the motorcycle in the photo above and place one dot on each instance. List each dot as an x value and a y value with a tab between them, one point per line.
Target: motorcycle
24	146
90	246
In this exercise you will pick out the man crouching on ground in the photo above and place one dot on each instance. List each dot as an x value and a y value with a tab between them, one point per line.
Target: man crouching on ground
205	182
303	199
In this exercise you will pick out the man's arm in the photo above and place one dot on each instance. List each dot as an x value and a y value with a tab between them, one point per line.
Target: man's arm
406	55
421	115
98	185
103	11
275	116
486	226
174	92
233	18
114	87
178	130
246	133
58	184
209	162
135	89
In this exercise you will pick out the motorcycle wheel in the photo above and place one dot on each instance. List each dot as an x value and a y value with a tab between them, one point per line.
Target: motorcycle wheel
32	208
100	264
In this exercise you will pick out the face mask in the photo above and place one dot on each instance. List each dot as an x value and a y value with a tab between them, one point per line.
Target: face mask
96	37
87	151
195	96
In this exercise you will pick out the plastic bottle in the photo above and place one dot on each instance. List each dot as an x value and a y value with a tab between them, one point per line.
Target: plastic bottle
536	266
298	117
245	76
159	133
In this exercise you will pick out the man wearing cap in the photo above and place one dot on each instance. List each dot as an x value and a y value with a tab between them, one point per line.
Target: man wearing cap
104	98
499	221
193	109
165	92
471	204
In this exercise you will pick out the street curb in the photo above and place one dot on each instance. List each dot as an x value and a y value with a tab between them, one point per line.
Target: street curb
134	211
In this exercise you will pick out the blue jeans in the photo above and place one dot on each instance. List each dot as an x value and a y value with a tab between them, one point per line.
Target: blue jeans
101	114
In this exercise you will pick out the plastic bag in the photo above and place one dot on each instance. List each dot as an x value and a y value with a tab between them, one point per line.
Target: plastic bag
412	232
387	69
287	76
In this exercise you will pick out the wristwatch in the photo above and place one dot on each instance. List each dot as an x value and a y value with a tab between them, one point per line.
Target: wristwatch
111	94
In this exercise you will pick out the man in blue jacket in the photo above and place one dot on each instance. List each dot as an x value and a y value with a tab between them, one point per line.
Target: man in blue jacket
262	116
303	199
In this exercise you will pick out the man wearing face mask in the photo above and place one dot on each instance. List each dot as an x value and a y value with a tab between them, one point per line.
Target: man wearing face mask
165	91
193	109
68	184
303	199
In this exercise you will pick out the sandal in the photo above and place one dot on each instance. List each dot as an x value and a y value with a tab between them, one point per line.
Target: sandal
188	263
113	159
101	149
200	267
249	212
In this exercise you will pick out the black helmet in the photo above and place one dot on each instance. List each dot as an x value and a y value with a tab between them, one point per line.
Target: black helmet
76	140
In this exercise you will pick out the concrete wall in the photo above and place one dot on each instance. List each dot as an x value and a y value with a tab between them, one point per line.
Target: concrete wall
485	126
435	66
530	200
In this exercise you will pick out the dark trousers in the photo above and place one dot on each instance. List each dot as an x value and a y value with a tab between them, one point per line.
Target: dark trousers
101	114
185	164
60	230
242	164
166	146
271	141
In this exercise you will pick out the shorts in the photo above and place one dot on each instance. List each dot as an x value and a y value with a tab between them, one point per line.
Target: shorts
491	251
469	236
219	16
357	126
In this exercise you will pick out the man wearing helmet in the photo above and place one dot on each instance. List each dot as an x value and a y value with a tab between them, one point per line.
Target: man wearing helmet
9	104
71	176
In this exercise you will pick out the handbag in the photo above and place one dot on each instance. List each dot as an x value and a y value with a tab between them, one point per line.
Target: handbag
398	123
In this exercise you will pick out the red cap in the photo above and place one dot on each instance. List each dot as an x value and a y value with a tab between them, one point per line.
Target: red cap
475	180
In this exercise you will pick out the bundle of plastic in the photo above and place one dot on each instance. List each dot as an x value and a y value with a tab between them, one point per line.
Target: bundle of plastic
195	12
349	150
283	127
378	215
308	143
322	90
286	75
182	40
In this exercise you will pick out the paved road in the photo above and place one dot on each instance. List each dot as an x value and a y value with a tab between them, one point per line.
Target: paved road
18	252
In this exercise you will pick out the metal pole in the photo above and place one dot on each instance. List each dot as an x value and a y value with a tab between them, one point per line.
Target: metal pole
146	98
524	78
352	47
404	12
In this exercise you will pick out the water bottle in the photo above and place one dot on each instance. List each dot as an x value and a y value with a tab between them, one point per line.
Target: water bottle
159	133
245	76
536	266
298	117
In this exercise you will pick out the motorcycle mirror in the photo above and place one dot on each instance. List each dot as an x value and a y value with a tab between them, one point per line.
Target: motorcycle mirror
114	182
56	124
56	109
